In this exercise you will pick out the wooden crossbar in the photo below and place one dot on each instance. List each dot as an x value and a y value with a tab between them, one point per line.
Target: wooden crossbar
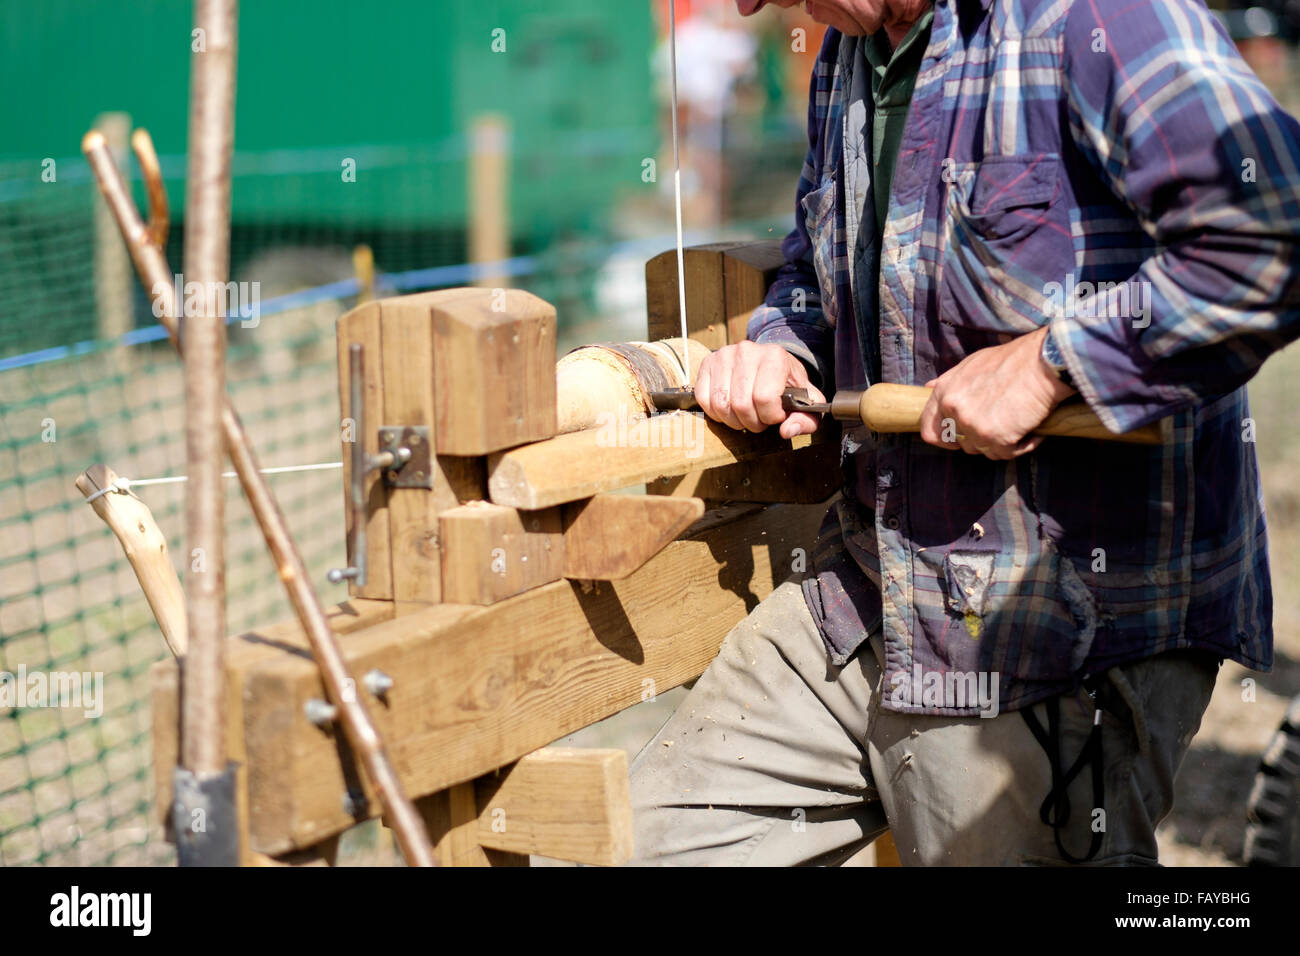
479	687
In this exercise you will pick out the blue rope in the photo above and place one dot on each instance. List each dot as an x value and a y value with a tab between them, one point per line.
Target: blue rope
427	278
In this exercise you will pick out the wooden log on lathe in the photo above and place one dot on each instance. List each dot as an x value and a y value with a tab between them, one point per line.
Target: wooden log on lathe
616	379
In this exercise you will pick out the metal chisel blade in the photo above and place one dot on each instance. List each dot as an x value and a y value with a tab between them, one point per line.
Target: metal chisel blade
792	400
797	400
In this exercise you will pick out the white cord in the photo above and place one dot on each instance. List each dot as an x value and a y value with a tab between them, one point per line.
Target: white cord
123	485
677	188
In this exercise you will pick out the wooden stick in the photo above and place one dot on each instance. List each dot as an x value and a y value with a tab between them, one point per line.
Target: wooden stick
489	194
358	725
585	463
207	245
145	547
114	285
363	264
159	217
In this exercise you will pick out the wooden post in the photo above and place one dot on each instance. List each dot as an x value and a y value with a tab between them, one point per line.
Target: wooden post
489	195
725	281
465	364
363	264
207	247
474	369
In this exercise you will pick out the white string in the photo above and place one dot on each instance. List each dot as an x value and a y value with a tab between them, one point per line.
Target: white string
123	485
677	187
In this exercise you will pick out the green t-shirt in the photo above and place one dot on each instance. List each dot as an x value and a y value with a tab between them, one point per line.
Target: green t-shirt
893	77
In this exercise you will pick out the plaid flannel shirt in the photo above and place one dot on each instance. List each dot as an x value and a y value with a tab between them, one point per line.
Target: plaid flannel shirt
1109	168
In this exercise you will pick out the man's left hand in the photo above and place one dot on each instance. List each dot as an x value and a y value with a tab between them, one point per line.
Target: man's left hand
993	399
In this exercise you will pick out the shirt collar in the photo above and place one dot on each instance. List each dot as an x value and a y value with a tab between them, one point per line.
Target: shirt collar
876	46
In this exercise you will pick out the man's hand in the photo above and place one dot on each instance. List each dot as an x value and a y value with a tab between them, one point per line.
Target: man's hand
993	399
740	385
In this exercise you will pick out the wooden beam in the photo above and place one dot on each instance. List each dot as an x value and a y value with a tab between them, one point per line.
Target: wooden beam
495	370
725	282
796	476
479	687
242	653
451	817
705	314
748	271
567	803
409	348
582	464
490	552
610	536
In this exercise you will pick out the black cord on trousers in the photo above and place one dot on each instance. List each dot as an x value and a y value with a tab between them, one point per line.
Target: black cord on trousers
1055	810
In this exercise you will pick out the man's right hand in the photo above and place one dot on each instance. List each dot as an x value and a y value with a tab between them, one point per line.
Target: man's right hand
740	385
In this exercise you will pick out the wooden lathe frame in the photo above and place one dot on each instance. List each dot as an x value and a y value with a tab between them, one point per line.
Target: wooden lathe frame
518	599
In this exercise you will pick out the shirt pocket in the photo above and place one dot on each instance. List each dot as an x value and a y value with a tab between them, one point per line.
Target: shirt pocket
820	222
1028	617
1007	239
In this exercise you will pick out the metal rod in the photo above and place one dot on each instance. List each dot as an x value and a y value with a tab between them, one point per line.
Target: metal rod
358	726
356	382
207	244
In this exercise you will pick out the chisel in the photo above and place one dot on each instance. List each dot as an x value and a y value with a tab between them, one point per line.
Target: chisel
890	408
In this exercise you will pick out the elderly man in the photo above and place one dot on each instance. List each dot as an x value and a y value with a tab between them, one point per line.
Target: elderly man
1005	644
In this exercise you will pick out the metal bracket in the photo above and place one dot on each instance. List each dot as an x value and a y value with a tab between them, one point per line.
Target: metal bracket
409	446
405	457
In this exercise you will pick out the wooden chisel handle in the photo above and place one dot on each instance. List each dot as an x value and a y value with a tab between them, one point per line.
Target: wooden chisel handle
897	408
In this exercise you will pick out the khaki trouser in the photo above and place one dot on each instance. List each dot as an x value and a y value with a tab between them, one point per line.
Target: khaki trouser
778	758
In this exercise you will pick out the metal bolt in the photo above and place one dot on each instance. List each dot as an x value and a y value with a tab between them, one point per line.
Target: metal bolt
320	712
377	682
